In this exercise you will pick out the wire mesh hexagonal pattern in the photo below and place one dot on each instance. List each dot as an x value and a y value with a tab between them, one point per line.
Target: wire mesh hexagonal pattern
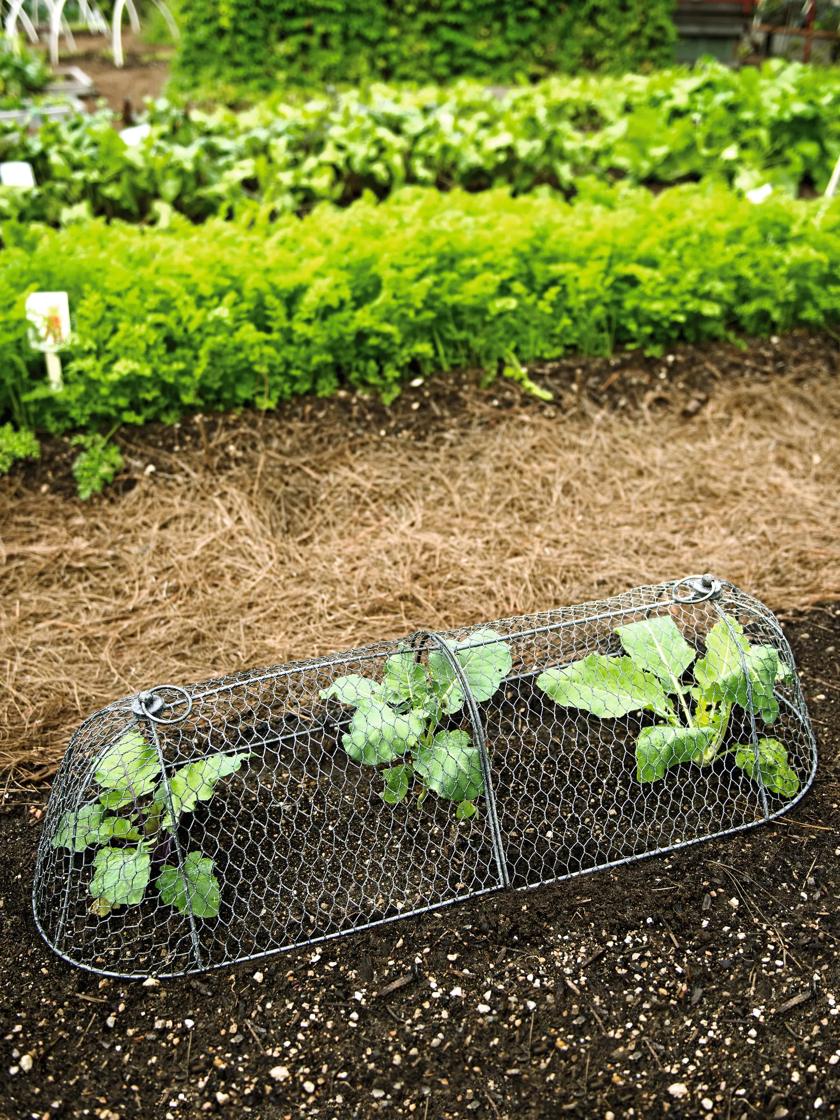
194	827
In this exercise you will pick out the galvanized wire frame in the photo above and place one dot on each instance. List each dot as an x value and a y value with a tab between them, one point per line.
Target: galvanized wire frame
280	837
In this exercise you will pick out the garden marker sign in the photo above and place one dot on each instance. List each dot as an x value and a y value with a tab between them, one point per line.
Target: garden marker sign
17	173
49	317
191	827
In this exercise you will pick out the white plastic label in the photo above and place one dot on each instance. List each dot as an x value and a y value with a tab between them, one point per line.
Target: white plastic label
135	135
17	173
49	317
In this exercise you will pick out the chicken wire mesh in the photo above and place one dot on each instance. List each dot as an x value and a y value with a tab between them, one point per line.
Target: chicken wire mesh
190	828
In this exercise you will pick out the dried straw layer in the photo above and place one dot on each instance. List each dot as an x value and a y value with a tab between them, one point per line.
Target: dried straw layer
264	539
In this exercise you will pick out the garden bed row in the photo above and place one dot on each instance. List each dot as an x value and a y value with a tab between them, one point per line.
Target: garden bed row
778	125
231	315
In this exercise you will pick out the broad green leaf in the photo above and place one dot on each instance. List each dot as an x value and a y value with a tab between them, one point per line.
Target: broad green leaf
116	798
129	767
605	686
445	685
352	690
465	810
657	645
194	890
725	643
379	734
658	748
775	773
451	766
116	828
485	660
763	669
195	782
397	781
120	876
405	680
78	830
721	675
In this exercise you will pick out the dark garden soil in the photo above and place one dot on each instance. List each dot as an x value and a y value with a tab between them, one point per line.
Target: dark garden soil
680	382
701	984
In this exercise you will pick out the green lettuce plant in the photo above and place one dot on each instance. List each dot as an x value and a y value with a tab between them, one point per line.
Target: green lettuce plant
132	824
397	722
692	718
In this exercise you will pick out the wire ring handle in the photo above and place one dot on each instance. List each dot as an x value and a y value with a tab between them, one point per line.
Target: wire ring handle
150	703
697	589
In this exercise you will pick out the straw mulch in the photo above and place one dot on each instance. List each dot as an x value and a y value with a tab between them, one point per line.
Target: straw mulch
256	540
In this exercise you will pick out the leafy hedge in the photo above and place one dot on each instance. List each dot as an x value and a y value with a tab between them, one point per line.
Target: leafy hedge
779	124
229	315
249	42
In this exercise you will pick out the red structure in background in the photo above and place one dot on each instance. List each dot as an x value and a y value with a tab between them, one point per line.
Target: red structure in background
794	18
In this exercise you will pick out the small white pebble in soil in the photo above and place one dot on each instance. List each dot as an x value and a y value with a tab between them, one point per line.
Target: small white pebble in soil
189	1024
308	1087
482	1008
258	976
678	1090
708	1104
279	1073
25	1062
151	982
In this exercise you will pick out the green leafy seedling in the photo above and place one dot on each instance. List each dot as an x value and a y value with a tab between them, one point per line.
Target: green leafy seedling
131	824
396	722
691	719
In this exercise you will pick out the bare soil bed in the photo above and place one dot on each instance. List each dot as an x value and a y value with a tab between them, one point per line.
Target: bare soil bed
701	984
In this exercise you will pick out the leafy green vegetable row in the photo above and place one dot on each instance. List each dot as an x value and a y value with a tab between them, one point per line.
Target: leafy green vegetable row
229	315
779	125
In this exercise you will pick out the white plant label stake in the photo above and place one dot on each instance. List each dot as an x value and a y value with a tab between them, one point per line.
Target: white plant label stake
17	173
49	317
